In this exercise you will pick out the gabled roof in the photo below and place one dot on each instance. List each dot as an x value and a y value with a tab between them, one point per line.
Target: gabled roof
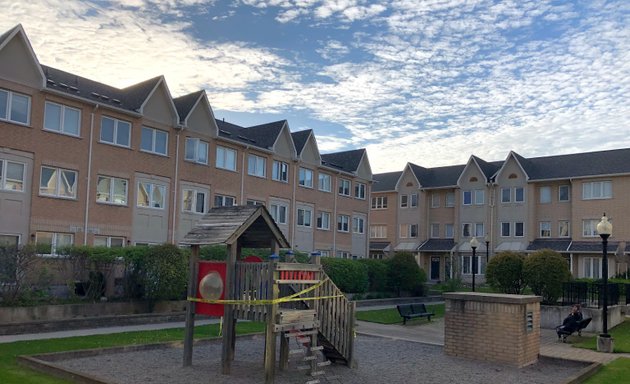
558	245
438	177
437	245
489	169
300	138
6	37
385	182
262	136
520	161
184	104
347	161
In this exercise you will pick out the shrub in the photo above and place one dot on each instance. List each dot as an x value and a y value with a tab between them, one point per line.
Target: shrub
405	274
377	274
505	272
544	272
16	264
349	276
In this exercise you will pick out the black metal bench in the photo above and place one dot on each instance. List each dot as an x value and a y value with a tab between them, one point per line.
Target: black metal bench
411	311
564	333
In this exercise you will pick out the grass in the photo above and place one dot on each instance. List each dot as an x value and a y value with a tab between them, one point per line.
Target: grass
391	315
621	335
617	371
11	372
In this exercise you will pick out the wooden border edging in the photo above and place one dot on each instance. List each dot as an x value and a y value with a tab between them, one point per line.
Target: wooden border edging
582	374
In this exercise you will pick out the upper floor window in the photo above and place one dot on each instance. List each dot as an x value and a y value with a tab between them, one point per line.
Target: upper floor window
480	196
304	217
589	227
109	241
256	166
62	119
378	231
226	158
343	223
278	213
111	190
324	182
435	200
519	194
519	229
151	195
154	141
506	195
50	243
224	201
450	199
563	228
305	178
280	171
11	175
344	187
359	191
467	197
253	203
323	220
466	230
505	229
597	190
545	195
15	107
435	230
408	230
545	229
358	225
58	182
449	231
404	201
414	200
563	193
194	201
114	131
196	150
379	202
479	230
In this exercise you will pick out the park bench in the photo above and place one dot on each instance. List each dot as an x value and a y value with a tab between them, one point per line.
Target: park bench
581	325
410	311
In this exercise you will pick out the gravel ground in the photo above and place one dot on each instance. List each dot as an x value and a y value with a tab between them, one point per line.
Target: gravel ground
380	360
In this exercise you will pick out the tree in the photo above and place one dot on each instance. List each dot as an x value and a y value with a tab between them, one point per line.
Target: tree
544	272
405	274
505	272
349	276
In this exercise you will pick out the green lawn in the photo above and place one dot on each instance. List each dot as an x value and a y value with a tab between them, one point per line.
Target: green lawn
391	315
620	333
617	371
11	372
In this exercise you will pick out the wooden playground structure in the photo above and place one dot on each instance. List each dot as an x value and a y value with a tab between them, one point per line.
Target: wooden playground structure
296	301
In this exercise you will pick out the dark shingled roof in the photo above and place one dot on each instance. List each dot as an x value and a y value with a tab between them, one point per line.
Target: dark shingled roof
262	136
7	33
385	182
437	177
299	139
559	245
437	245
378	245
488	168
347	161
184	104
592	246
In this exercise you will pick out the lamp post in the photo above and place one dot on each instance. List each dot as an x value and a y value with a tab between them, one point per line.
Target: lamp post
487	250
474	243
604	229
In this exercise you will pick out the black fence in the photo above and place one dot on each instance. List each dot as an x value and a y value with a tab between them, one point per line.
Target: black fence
591	294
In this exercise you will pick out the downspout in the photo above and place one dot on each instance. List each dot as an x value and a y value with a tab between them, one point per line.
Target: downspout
296	170
89	178
335	191
369	215
243	176
175	188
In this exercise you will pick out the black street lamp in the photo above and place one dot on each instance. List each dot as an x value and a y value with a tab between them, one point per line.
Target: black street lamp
604	229
474	243
487	250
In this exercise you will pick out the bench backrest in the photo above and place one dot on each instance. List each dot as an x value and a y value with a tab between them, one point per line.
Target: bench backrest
404	309
419	308
583	323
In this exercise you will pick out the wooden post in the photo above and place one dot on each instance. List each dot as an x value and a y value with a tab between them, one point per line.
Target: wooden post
270	334
227	352
284	352
190	306
352	315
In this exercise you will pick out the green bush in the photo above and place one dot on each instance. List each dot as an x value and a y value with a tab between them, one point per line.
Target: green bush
405	274
544	272
505	272
349	276
377	274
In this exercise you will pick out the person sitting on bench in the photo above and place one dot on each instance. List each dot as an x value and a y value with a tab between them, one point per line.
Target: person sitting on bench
571	323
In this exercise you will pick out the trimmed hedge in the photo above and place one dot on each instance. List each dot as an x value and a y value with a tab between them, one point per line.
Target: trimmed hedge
544	272
378	272
406	275
349	276
505	272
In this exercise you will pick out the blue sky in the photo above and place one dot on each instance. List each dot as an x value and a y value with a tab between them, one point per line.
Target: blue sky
429	82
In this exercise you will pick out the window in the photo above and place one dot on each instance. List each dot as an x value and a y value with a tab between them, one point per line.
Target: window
519	194
435	230
111	190
450	199
254	203
408	230
9	240
506	195
224	201
304	217
404	201
466	230
280	171
344	187
57	182
519	229
109	241
435	200
378	231
114	131
359	191
151	195
154	141
279	213
545	229
413	230
597	190
379	202
11	175
414	200
14	107
306	178
196	150
592	267
563	228
449	231
358	225
467	197
62	119
545	195
226	158
479	231
343	222
505	229
194	201
479	196
325	182
324	253
467	265
323	220
50	243
343	254
256	166
563	193
589	227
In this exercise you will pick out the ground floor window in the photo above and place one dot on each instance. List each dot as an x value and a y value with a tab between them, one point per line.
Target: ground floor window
109	241
592	267
467	265
50	243
10	240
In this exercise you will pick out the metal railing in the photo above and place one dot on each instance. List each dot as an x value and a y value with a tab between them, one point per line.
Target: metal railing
589	294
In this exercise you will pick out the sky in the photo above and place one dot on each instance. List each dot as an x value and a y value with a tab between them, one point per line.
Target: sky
430	82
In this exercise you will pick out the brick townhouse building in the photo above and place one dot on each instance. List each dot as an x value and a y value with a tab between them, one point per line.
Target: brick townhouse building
83	162
518	204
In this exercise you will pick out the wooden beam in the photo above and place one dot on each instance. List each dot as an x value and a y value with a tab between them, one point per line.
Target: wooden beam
270	335
227	351
190	306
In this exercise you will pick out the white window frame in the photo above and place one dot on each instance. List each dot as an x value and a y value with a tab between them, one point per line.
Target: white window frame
344	187
108	241
516	190
17	238
223	159
467	264
413	200
224	199
589	227
154	139
324	182
413	231
195	144
545	195
5	181
449	231
568	189
467	195
544	229
435	200
379	202
59	173
378	231
305	177
254	203
450	199
304	217
435	231
55	239
343	255
597	190
280	171
359	191
10	95
150	189
343	223
111	194
480	230
358	225
516	225
62	119
480	197
506	225
404	201
279	213
323	220
195	194
506	199
592	267
467	233
118	124
564	223
256	166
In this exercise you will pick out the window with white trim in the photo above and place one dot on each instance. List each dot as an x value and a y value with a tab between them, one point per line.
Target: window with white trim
196	150
545	195
449	231
109	241
62	119
379	202
506	195
305	177
324	182
58	182
480	196
435	200
304	216
343	223
50	243
280	171
9	240
450	199
151	195
323	253
378	231
359	191
519	194
404	201
323	220
224	201
194	201
111	190
505	229
564	193
564	229
253	203
544	229
592	267
414	200
519	229
467	197
256	166
15	107
408	230
589	227
435	230
358	225
154	141
597	190
467	265
278	213
344	187
226	158
12	175
343	255
479	230
467	230
115	132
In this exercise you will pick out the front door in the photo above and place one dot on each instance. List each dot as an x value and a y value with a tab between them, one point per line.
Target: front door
435	268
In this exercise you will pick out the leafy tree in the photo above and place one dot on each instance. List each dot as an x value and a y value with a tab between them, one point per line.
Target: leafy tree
377	274
505	272
349	276
405	274
544	272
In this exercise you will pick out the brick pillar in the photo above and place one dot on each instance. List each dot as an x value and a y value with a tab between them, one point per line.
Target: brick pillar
492	327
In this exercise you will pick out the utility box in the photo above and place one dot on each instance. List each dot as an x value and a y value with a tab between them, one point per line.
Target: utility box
492	327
